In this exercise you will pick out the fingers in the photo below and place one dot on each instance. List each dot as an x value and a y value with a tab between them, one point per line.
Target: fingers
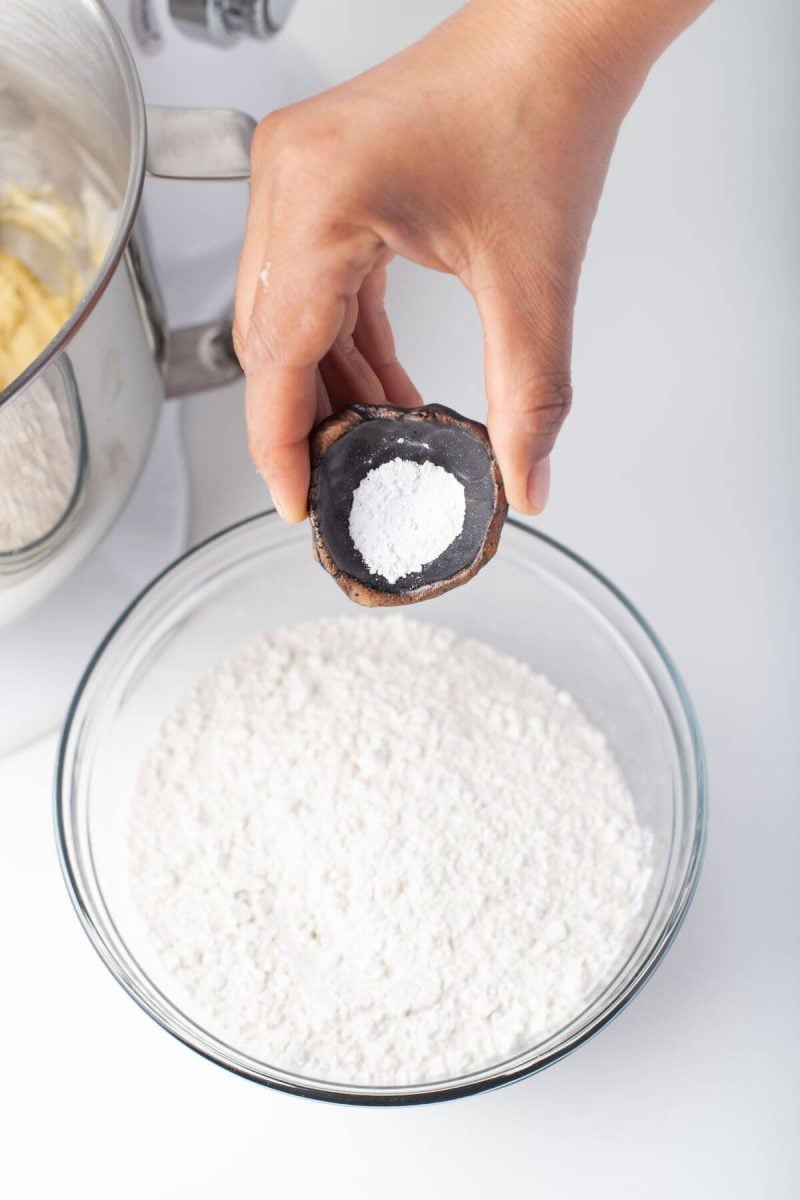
299	273
281	410
348	377
253	260
374	338
300	301
324	406
361	367
527	327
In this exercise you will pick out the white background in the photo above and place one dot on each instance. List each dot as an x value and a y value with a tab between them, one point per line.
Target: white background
677	475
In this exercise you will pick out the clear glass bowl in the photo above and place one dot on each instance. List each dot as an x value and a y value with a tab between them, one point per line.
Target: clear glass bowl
536	601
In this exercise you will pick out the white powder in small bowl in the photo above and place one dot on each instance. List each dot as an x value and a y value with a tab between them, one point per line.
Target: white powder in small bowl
374	852
404	515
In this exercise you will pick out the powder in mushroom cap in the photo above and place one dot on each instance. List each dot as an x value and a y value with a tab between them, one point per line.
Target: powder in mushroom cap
404	515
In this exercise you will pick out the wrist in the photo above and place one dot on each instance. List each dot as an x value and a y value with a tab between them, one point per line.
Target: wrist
618	40
639	29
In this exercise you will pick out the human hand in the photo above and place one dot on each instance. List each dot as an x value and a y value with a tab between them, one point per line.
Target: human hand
480	151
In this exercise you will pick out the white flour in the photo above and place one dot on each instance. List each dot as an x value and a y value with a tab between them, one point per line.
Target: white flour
38	468
373	852
404	515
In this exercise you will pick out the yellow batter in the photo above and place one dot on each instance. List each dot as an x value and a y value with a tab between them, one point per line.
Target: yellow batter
32	310
30	315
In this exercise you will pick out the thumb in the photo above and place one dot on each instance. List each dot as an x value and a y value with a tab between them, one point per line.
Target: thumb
527	330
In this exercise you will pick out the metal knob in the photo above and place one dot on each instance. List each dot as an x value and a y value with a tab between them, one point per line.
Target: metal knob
223	21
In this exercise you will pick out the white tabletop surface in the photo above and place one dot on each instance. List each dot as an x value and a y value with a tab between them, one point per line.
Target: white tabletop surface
677	475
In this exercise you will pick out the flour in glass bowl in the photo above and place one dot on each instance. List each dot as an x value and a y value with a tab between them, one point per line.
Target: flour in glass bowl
374	852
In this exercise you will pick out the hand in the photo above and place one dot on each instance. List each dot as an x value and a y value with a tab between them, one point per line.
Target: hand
480	151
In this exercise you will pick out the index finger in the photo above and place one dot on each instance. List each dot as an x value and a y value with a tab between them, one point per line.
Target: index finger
297	312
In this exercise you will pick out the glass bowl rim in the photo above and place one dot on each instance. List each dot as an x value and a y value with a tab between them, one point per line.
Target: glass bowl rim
488	1078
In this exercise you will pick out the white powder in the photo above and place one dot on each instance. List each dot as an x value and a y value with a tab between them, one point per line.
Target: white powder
38	468
404	515
373	852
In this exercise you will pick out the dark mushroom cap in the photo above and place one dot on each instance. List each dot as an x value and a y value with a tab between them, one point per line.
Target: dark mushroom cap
346	446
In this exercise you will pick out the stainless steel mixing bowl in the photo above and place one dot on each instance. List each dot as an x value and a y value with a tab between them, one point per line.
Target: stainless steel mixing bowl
536	601
73	124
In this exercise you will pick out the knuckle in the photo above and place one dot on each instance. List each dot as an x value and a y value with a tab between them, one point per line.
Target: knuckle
238	338
271	128
265	137
257	347
292	159
286	146
548	402
254	346
558	398
344	343
305	153
552	416
257	449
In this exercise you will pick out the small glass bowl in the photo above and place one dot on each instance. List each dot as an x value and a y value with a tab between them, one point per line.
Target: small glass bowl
535	600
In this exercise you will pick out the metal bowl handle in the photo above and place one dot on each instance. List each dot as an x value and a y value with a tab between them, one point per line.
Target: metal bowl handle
198	143
201	144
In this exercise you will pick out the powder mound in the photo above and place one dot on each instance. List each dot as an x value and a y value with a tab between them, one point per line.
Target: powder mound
370	851
404	515
38	468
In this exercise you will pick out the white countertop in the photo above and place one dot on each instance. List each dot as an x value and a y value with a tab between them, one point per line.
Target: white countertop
677	475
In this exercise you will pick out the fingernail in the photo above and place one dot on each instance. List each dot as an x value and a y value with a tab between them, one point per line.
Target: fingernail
278	508
539	484
272	495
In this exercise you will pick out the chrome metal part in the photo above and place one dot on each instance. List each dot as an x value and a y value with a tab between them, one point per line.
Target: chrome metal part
201	357
224	21
198	143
